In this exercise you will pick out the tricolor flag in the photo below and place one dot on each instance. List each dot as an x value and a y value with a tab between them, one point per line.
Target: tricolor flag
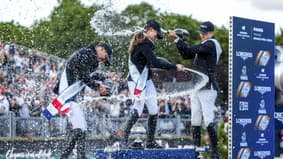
60	104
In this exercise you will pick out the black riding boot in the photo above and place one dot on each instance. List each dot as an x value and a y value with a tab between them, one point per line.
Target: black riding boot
127	129
151	127
213	140
81	145
196	138
70	144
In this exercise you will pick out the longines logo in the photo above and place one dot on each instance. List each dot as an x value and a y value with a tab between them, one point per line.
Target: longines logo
244	55
262	89
262	154
243	121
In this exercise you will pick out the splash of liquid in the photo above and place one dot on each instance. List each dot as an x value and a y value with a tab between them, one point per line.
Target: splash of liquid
107	22
198	85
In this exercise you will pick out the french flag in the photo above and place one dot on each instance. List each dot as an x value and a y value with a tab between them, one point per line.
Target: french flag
54	107
60	104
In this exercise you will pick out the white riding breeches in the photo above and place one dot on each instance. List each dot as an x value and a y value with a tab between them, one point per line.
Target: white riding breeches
149	93
77	116
203	107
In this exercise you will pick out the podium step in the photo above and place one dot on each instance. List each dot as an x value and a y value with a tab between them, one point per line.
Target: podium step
171	153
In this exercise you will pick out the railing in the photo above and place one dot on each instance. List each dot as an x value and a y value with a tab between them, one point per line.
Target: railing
98	126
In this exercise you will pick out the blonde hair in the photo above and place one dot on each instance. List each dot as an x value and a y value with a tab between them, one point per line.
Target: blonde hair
138	38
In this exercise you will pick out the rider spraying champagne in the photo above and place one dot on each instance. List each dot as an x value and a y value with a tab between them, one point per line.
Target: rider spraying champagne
206	56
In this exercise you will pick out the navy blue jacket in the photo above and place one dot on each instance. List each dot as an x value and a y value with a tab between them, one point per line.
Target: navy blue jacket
143	55
205	58
81	65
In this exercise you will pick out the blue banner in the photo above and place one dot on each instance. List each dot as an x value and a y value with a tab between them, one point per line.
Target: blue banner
252	88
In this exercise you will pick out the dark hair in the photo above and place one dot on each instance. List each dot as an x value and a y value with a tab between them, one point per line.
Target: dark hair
138	38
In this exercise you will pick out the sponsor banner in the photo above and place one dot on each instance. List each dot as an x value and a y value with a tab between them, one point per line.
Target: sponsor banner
252	88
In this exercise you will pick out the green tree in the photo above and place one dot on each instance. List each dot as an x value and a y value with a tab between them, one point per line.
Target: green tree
67	30
14	33
279	38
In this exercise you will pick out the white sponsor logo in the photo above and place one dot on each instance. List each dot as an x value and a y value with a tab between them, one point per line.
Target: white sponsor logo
244	55
262	89
262	109
262	39
262	154
243	106
261	140
244	121
242	33
243	142
262	76
244	73
258	29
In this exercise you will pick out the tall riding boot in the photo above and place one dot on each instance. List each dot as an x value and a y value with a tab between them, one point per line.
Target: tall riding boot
196	138
81	145
151	127
70	144
127	129
213	140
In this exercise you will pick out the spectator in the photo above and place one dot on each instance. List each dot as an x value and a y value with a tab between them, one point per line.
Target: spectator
19	98
114	110
3	57
18	63
125	107
164	109
25	110
179	107
36	108
187	123
4	105
12	49
53	71
14	106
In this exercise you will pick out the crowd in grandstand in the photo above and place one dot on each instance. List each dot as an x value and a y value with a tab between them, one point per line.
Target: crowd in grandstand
26	80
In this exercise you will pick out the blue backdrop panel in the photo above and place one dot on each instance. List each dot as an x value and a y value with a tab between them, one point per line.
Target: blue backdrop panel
147	154
252	88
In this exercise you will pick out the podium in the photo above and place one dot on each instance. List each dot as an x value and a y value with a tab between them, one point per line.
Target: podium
171	153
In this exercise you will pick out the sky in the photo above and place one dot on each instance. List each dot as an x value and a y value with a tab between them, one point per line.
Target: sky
217	11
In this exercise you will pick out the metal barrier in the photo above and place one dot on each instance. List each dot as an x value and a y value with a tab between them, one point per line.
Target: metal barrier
98	126
6	128
32	126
